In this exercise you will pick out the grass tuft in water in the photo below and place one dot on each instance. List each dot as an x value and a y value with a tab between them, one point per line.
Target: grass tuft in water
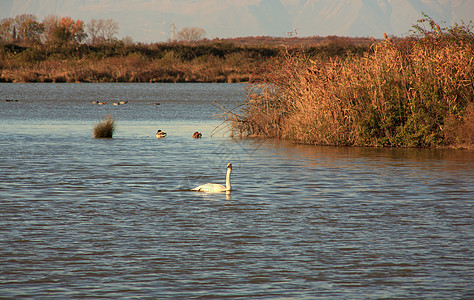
105	128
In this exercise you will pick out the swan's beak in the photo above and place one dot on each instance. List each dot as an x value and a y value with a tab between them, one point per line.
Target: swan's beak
229	165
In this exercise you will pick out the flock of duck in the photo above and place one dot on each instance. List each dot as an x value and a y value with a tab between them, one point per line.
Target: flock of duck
11	100
114	103
160	134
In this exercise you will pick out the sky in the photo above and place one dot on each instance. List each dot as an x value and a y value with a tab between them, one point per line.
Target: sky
151	20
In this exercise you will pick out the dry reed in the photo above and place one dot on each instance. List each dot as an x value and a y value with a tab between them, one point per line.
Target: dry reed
411	92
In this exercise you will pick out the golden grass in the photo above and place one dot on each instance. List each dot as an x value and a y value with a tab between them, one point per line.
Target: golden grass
412	92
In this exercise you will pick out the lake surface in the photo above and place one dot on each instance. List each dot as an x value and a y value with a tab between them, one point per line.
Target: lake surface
115	218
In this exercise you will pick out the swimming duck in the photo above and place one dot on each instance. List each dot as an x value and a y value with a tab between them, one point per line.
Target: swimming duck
197	135
160	134
214	187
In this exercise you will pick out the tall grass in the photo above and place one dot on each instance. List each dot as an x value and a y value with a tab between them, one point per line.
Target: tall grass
105	128
412	92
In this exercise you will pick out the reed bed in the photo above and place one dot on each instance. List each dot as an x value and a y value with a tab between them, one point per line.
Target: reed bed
412	92
105	128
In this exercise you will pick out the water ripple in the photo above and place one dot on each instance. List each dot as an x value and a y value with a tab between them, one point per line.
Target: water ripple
81	217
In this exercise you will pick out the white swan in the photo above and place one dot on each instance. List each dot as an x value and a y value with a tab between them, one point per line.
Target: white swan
214	187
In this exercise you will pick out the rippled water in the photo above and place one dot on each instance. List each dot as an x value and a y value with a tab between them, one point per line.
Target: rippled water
115	218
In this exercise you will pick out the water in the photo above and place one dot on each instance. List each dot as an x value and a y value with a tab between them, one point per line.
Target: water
115	218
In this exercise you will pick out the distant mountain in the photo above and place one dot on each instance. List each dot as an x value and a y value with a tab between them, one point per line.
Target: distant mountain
150	20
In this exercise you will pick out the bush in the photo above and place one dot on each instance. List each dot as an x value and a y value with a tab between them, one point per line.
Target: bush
105	128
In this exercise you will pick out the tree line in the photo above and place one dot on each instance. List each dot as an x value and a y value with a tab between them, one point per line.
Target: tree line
27	30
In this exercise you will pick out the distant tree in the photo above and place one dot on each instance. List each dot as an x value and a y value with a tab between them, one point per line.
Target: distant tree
92	29
191	34
23	29
7	30
109	29
127	40
28	29
50	24
102	31
65	30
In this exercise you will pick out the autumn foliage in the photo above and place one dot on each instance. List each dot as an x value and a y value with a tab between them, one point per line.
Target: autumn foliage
68	31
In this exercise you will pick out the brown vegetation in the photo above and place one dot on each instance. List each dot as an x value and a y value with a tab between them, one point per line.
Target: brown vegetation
105	128
60	49
416	91
204	61
411	92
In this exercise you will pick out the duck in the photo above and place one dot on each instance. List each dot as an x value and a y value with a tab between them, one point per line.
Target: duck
214	187
197	135
102	103
123	102
160	134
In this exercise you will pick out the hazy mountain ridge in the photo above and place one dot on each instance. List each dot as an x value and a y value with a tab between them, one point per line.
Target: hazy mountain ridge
150	20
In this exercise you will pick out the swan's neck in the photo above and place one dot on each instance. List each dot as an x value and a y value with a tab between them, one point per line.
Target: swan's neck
227	180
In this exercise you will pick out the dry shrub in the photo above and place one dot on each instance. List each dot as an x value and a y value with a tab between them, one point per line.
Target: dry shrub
105	128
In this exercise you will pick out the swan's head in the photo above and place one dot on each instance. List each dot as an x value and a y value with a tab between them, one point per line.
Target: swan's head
229	166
